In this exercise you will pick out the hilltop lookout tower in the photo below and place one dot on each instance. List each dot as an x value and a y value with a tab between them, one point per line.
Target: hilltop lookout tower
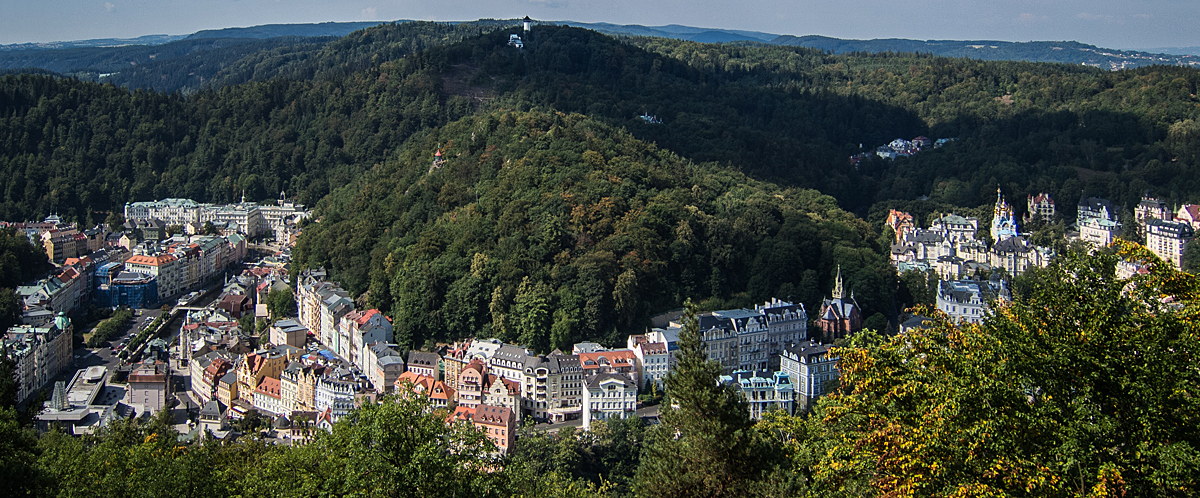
528	22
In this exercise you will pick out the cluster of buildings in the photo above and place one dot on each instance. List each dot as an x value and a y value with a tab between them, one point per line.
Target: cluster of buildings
40	353
89	402
951	249
902	148
1167	231
248	218
290	377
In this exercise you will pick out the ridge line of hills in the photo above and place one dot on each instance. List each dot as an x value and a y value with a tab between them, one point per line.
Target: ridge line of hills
98	58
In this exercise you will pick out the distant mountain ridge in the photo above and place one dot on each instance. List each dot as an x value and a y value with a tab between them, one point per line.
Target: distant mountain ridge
1067	52
98	58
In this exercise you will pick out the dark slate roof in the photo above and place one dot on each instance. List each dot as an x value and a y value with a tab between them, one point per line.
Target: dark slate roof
1016	244
595	380
423	359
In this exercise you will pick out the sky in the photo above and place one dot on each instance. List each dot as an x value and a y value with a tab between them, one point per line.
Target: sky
1122	24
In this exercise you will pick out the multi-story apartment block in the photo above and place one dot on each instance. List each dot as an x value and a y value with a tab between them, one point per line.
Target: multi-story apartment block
1095	207
205	370
654	362
382	364
1190	214
358	330
423	363
148	386
811	370
553	387
165	268
1152	208
40	353
1167	239
498	391
509	362
900	222
968	300
268	397
336	396
608	396
1016	255
764	391
1100	232
440	395
264	363
171	211
1040	207
247	216
955	227
288	331
618	361
470	384
744	339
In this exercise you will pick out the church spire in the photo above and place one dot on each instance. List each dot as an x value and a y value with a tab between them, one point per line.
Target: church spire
838	292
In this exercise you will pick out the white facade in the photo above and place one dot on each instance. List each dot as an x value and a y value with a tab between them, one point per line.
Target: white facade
653	363
1098	231
967	300
764	391
1167	239
608	396
335	395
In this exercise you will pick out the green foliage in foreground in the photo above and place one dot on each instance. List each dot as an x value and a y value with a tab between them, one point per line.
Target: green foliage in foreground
1084	386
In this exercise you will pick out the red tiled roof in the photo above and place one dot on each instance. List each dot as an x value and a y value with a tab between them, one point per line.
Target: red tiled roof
366	316
618	358
492	415
461	413
158	260
269	386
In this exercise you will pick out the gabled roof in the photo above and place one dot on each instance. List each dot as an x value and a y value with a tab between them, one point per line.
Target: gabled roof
492	415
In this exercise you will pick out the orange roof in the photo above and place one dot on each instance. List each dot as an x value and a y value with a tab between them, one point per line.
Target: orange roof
618	358
461	413
366	316
269	386
158	260
492	415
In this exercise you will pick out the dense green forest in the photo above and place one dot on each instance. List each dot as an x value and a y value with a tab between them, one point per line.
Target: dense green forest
555	215
547	229
1083	386
20	262
783	114
361	117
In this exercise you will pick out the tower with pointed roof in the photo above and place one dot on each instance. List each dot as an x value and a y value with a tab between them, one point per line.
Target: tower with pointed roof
1004	224
840	316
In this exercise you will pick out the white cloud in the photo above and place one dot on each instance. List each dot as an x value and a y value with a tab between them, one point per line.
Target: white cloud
1029	18
1142	16
369	13
108	6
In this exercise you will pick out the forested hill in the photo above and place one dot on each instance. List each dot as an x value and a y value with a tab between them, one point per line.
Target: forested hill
791	116
785	114
546	229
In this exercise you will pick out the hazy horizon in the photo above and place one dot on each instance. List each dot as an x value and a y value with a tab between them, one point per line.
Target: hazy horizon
1105	23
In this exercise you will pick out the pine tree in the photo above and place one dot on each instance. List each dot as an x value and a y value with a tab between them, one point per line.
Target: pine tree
706	445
